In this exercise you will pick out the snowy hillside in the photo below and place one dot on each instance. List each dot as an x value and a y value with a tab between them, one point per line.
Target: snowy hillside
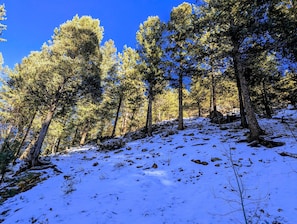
185	177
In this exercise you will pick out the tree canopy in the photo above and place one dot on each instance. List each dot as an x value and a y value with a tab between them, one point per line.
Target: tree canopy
208	59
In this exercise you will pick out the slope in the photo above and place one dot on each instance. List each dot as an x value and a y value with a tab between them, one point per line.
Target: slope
172	177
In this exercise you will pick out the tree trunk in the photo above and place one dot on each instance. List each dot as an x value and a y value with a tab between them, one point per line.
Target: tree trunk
266	101
253	125
117	117
242	110
180	103
73	143
149	119
199	108
25	136
84	134
213	94
132	120
35	150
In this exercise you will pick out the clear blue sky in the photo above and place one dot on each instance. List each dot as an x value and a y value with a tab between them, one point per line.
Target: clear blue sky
30	23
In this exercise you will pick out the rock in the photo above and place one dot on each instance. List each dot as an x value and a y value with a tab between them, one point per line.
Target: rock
216	117
198	161
112	144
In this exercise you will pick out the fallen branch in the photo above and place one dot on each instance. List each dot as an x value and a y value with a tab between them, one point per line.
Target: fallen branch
47	166
293	155
266	143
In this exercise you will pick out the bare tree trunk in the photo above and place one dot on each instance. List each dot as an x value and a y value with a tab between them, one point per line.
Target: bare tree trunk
180	103
149	122
213	94
244	123
199	108
117	117
255	130
32	156
84	134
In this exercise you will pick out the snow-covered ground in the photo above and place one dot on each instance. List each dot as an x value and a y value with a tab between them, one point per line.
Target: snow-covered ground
187	177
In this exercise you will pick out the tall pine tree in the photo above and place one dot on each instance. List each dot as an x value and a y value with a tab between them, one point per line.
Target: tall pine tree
238	25
63	72
181	39
150	38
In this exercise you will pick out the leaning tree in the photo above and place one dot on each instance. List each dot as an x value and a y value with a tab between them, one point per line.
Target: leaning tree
63	72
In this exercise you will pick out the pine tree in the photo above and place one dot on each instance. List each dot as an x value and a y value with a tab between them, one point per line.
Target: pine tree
110	93
132	88
2	17
263	78
93	116
238	24
149	38
282	25
287	88
17	111
63	72
182	64
165	107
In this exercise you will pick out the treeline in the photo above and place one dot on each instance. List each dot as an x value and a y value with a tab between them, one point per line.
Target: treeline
218	55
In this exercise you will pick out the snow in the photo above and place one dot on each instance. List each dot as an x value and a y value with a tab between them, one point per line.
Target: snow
162	180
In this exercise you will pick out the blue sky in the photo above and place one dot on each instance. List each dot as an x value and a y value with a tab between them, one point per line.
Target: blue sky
30	23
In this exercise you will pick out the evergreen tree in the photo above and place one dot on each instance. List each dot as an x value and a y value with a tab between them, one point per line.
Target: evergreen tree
238	24
94	116
180	28
149	38
287	88
110	83
132	88
2	17
263	78
282	25
17	111
165	107
199	92
63	72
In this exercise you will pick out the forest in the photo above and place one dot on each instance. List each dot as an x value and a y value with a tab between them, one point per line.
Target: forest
219	58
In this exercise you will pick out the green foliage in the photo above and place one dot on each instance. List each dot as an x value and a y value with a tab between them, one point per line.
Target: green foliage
84	90
149	38
2	17
132	90
66	70
227	94
181	40
282	26
7	154
263	78
199	94
106	110
287	88
165	105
